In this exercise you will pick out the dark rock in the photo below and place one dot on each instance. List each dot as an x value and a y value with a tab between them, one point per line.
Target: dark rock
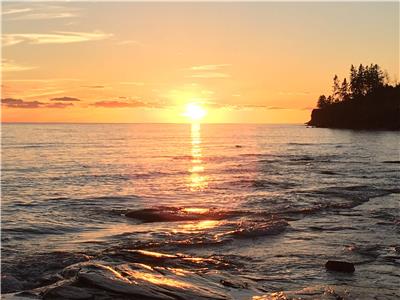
10	284
340	266
232	284
68	292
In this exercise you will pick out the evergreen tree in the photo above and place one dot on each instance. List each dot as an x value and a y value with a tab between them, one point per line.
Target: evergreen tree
353	80
344	90
336	89
361	90
322	101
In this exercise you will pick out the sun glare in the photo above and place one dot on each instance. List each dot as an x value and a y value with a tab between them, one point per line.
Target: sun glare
195	112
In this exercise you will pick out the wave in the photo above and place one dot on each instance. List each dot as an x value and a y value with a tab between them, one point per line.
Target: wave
141	275
176	214
258	229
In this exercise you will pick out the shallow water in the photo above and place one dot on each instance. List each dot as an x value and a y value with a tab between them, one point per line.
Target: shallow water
209	211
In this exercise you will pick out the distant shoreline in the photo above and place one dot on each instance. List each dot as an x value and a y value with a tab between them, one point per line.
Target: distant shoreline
366	102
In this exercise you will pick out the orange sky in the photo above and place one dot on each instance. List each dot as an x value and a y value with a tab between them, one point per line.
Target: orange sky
263	62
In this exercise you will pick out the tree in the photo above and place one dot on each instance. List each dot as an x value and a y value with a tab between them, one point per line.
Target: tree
336	89
353	80
361	80
322	102
344	90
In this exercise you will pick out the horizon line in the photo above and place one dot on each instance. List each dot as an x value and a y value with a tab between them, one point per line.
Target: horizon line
155	123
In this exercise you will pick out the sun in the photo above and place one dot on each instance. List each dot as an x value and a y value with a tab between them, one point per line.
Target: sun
195	112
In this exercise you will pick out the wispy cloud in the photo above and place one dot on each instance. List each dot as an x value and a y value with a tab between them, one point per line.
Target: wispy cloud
39	11
66	99
209	67
126	104
275	107
58	105
240	106
209	71
13	11
59	37
19	103
93	86
8	65
118	104
209	75
42	80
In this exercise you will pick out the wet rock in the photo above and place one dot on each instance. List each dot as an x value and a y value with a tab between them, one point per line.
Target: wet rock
48	279
340	266
232	284
178	214
10	284
114	283
68	292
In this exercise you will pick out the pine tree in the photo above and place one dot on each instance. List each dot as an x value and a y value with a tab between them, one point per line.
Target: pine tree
322	101
361	80
353	80
336	89
344	90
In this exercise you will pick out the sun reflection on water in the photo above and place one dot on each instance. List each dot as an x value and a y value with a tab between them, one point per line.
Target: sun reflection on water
201	225
197	181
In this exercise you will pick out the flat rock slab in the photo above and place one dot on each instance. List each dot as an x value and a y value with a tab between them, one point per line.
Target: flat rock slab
340	266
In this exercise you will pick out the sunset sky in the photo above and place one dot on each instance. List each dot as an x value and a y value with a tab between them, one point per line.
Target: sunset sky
260	62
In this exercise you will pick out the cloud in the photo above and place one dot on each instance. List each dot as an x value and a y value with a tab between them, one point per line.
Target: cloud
39	11
209	67
58	105
8	65
239	106
94	86
275	107
209	75
19	103
67	99
126	104
13	11
208	71
118	104
59	37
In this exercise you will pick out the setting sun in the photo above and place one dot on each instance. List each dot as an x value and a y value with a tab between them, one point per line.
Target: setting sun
194	112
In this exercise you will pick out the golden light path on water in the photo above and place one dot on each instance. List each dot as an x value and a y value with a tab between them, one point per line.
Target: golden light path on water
197	181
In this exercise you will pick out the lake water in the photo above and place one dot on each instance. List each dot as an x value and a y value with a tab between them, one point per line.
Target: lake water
191	211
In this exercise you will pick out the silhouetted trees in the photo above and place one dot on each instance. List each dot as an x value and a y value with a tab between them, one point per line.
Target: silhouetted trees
364	101
362	81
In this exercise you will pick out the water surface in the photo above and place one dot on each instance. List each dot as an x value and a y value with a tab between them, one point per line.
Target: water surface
246	210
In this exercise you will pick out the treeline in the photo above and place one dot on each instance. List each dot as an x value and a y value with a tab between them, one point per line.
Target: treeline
365	101
362	81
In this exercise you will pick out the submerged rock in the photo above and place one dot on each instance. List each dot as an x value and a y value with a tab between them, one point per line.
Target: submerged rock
340	266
